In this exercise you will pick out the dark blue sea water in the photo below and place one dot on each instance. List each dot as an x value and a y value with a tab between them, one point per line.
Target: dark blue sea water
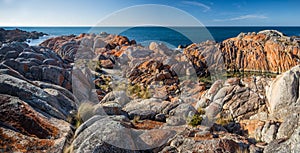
173	36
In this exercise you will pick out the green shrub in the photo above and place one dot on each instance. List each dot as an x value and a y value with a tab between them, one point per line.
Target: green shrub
195	120
104	84
201	111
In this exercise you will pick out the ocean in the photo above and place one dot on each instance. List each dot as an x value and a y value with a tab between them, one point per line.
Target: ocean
172	36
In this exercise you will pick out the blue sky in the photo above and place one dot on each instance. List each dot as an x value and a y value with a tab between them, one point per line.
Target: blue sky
208	12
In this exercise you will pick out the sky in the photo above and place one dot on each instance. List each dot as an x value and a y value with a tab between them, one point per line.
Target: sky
164	12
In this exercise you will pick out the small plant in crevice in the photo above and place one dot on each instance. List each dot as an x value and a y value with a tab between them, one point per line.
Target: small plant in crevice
85	111
224	120
103	82
74	119
197	118
89	63
136	119
138	91
68	149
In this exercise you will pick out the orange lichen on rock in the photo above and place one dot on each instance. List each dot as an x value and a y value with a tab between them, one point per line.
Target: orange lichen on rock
249	126
147	124
25	120
266	51
12	141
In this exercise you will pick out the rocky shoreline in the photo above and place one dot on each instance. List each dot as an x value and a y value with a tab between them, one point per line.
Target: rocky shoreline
17	35
106	93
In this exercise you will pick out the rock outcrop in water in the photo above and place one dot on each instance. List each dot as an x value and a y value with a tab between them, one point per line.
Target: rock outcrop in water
105	93
7	36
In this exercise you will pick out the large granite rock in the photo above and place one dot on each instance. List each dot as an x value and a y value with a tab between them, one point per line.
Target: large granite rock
205	57
145	109
284	91
115	134
46	100
266	51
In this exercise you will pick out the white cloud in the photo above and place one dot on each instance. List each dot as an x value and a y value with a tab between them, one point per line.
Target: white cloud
243	17
206	8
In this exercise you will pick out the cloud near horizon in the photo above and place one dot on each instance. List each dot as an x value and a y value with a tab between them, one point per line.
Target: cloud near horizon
243	17
206	8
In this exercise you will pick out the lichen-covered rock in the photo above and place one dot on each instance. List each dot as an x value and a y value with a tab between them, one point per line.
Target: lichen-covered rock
85	45
205	57
156	74
23	129
266	51
35	96
38	63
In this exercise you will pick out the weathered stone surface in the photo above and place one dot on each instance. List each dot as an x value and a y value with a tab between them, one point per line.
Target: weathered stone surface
34	113
112	131
23	129
192	89
134	53
284	91
37	63
147	109
83	85
161	48
288	126
233	99
34	95
283	145
119	97
109	108
181	114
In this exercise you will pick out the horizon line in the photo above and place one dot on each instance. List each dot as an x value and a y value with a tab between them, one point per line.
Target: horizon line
107	26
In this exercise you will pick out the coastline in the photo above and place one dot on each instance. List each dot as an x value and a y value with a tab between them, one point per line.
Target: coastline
218	33
90	92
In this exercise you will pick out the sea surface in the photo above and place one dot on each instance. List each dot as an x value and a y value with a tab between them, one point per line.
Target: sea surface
171	36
